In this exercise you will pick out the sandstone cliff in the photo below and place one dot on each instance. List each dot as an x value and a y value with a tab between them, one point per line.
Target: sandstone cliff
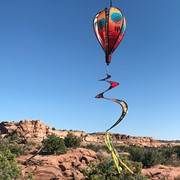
36	130
62	167
70	165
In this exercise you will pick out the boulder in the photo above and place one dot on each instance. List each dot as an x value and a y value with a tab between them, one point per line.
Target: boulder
66	166
162	172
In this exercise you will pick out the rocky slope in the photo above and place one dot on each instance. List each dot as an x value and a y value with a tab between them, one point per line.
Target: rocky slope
162	172
36	130
61	167
70	165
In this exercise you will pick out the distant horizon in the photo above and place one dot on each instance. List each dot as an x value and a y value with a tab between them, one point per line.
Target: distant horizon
136	136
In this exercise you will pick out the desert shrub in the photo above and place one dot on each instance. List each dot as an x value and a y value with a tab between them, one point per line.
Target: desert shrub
30	176
28	146
136	154
72	141
31	143
13	146
177	151
96	148
148	156
151	156
8	165
92	147
167	152
16	149
123	148
103	171
53	128
13	137
169	155
54	145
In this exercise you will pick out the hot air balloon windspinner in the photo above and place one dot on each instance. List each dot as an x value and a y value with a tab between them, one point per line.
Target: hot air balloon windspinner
109	28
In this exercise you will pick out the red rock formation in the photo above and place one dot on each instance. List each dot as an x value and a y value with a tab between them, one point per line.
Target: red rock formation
36	130
162	172
62	167
70	165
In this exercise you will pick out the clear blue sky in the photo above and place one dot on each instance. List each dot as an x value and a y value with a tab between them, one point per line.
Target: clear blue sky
50	63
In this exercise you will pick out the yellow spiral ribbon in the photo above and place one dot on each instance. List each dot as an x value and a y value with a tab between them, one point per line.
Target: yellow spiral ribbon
115	155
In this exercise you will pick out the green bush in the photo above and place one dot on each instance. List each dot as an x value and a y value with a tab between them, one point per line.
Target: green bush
150	158
105	172
72	141
30	176
16	145
8	165
54	145
13	138
167	152
136	154
16	149
177	151
96	148
147	155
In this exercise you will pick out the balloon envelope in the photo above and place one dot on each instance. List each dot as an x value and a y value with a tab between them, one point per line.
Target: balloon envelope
109	27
